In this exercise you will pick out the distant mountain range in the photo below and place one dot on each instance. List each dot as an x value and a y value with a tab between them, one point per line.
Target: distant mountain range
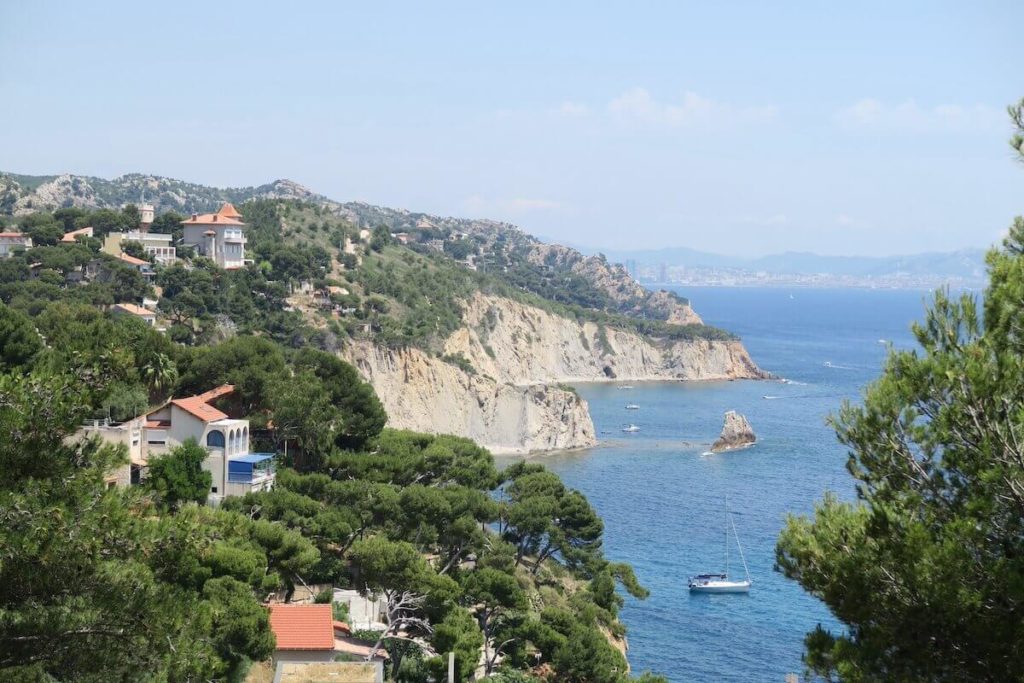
965	266
23	194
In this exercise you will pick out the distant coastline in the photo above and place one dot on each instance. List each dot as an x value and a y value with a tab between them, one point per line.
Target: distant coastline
825	282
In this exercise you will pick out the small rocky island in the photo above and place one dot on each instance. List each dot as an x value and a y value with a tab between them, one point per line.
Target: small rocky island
736	433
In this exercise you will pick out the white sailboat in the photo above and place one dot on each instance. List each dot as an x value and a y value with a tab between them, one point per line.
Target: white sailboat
721	583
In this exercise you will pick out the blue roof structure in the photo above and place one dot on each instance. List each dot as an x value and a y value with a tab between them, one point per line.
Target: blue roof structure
253	458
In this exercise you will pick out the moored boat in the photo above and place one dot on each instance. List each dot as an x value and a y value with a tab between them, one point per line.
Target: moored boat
721	583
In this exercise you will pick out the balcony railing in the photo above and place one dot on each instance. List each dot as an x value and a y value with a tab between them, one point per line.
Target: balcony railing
255	477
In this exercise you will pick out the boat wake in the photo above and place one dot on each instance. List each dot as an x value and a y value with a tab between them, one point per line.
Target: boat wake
834	366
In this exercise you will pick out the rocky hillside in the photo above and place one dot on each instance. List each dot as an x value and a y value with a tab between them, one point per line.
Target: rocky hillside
22	194
463	326
506	391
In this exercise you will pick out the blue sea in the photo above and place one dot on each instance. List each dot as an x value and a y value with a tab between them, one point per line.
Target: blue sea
662	498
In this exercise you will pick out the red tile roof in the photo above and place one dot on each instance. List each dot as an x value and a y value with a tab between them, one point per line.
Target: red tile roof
229	210
222	390
70	236
226	216
199	406
302	627
132	260
135	310
13	234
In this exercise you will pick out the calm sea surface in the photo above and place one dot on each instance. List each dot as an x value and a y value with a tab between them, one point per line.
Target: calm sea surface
662	500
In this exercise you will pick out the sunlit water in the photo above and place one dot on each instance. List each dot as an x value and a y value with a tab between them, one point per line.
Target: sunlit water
662	498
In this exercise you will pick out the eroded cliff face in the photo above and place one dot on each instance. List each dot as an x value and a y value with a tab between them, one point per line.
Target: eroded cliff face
521	344
427	394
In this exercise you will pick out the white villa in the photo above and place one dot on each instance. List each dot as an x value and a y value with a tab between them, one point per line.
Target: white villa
156	244
11	242
219	236
234	469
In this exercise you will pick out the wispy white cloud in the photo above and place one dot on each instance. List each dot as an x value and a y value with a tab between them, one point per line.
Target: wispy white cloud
637	104
479	205
872	114
845	220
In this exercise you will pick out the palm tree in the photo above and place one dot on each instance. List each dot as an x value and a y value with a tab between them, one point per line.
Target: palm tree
160	374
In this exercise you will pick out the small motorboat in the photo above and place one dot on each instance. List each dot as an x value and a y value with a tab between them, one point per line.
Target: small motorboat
625	386
632	406
630	428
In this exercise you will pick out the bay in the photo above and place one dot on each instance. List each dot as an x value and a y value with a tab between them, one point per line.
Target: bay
661	496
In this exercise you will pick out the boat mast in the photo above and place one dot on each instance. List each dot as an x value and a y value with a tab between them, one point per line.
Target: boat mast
744	559
727	536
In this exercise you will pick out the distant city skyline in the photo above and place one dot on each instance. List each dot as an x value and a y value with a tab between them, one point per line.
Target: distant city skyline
745	130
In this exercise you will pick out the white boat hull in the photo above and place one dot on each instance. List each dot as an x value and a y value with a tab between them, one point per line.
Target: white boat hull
720	587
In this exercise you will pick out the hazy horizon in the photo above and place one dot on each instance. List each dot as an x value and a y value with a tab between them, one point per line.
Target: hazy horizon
869	130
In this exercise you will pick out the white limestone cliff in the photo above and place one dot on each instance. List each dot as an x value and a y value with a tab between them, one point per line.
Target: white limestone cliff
510	402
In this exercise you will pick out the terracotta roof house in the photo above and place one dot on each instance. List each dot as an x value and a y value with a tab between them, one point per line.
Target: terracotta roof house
141	265
75	234
304	633
219	236
235	470
148	316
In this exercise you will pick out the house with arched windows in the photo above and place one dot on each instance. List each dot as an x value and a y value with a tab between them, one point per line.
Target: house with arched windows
235	470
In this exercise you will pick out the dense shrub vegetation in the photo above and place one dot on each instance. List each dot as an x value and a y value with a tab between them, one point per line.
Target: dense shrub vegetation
147	583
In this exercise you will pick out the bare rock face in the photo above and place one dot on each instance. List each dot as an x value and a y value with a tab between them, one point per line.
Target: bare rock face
426	394
736	433
506	396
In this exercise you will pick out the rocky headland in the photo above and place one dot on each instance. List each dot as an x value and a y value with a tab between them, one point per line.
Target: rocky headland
506	394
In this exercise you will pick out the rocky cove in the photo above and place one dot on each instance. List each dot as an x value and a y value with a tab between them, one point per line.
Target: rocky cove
504	390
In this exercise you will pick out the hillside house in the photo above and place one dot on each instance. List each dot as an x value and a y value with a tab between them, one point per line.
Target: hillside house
304	633
144	314
75	234
158	246
235	470
12	242
131	435
141	265
218	236
155	244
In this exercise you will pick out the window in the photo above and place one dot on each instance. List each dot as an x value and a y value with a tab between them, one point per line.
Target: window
215	439
213	489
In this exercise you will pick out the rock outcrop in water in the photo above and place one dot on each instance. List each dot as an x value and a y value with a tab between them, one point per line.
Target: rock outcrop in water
736	433
504	393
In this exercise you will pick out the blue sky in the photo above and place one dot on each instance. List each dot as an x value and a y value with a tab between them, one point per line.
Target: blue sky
742	128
